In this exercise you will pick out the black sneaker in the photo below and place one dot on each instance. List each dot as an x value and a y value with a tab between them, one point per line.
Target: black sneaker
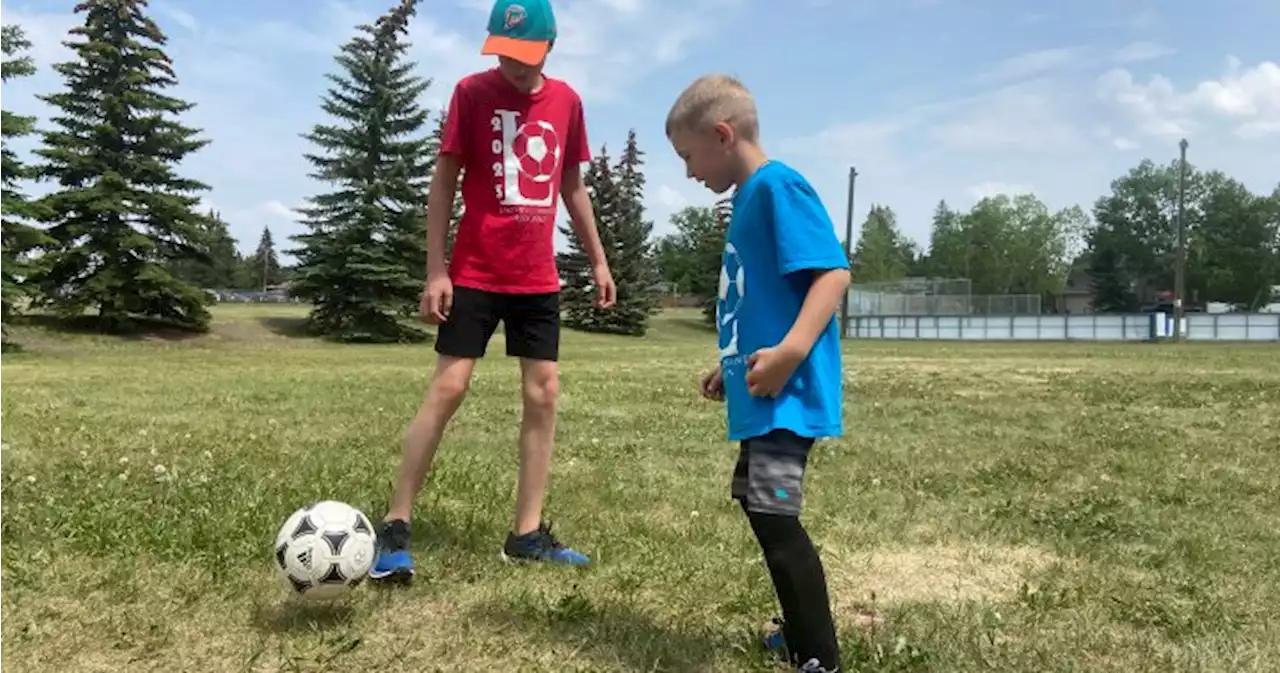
540	546
393	561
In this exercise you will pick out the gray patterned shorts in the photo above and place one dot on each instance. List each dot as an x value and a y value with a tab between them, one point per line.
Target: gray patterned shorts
769	476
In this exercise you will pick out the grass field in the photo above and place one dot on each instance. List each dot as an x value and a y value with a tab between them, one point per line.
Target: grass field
1039	507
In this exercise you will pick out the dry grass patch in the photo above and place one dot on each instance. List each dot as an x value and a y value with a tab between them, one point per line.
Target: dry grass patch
947	573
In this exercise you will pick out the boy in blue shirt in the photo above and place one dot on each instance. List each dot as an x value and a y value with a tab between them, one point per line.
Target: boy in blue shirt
783	273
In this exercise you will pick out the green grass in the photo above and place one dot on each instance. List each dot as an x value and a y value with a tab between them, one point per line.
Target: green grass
998	507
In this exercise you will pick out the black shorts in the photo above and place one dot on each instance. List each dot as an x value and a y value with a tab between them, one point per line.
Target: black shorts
531	323
769	476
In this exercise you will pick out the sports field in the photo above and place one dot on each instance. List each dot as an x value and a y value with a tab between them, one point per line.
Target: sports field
1042	507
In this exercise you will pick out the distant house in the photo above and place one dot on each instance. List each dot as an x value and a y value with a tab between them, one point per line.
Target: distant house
1077	296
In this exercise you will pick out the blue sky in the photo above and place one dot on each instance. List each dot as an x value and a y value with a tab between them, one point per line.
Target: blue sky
930	99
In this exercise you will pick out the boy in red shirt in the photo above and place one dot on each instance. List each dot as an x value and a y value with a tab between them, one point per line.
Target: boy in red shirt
518	138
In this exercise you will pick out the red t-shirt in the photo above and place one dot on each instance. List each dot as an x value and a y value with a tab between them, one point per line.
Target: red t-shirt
513	148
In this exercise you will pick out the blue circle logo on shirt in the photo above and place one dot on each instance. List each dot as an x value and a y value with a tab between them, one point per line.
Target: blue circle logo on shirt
733	287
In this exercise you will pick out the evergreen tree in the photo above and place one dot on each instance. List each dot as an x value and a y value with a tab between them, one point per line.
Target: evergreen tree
122	216
578	295
626	248
264	265
882	252
19	237
948	248
223	266
363	263
1110	281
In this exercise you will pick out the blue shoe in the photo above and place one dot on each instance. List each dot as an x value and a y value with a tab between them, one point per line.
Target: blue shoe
776	642
540	546
393	562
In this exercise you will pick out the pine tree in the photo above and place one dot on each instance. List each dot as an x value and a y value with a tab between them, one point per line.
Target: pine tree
578	295
224	264
264	265
19	237
618	194
882	252
363	263
122	216
1111	283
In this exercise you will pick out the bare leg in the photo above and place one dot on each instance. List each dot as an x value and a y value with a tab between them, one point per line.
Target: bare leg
541	392
444	396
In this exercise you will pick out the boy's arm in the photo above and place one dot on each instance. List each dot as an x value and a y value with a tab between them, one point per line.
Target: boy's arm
444	182
825	292
574	191
578	202
440	196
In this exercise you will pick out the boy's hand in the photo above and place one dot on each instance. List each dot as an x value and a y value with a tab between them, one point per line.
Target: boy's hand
606	291
769	369
437	299
713	385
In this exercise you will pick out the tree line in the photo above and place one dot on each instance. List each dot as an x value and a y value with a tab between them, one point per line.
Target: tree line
121	241
1124	256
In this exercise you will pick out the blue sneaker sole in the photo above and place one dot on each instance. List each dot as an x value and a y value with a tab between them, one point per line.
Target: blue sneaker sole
523	560
395	575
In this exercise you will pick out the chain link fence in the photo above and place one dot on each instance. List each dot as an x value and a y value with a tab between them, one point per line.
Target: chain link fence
936	296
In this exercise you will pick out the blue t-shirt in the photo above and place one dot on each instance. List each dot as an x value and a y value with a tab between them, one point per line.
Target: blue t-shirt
780	234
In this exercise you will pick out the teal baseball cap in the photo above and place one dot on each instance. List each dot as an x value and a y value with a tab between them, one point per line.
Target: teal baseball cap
521	29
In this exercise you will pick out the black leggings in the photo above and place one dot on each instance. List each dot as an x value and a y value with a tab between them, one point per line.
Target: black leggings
801	585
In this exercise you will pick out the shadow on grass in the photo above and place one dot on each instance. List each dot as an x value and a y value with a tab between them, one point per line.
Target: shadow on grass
136	329
293	327
289	616
617	636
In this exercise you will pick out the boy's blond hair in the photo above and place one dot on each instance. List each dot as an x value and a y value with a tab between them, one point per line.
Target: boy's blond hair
712	99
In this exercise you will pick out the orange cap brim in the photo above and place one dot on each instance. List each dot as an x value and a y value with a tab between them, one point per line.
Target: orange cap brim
525	51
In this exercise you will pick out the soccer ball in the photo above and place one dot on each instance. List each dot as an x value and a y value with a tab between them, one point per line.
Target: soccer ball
324	550
537	148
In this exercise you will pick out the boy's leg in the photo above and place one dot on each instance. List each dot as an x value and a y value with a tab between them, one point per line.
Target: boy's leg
532	324
540	388
769	484
460	342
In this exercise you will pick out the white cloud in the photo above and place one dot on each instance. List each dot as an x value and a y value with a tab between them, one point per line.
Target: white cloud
1140	51
1046	136
46	31
1247	100
1044	62
178	16
1033	63
668	197
1030	116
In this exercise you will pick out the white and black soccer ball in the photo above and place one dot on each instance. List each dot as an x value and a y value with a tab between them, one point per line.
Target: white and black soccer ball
324	550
